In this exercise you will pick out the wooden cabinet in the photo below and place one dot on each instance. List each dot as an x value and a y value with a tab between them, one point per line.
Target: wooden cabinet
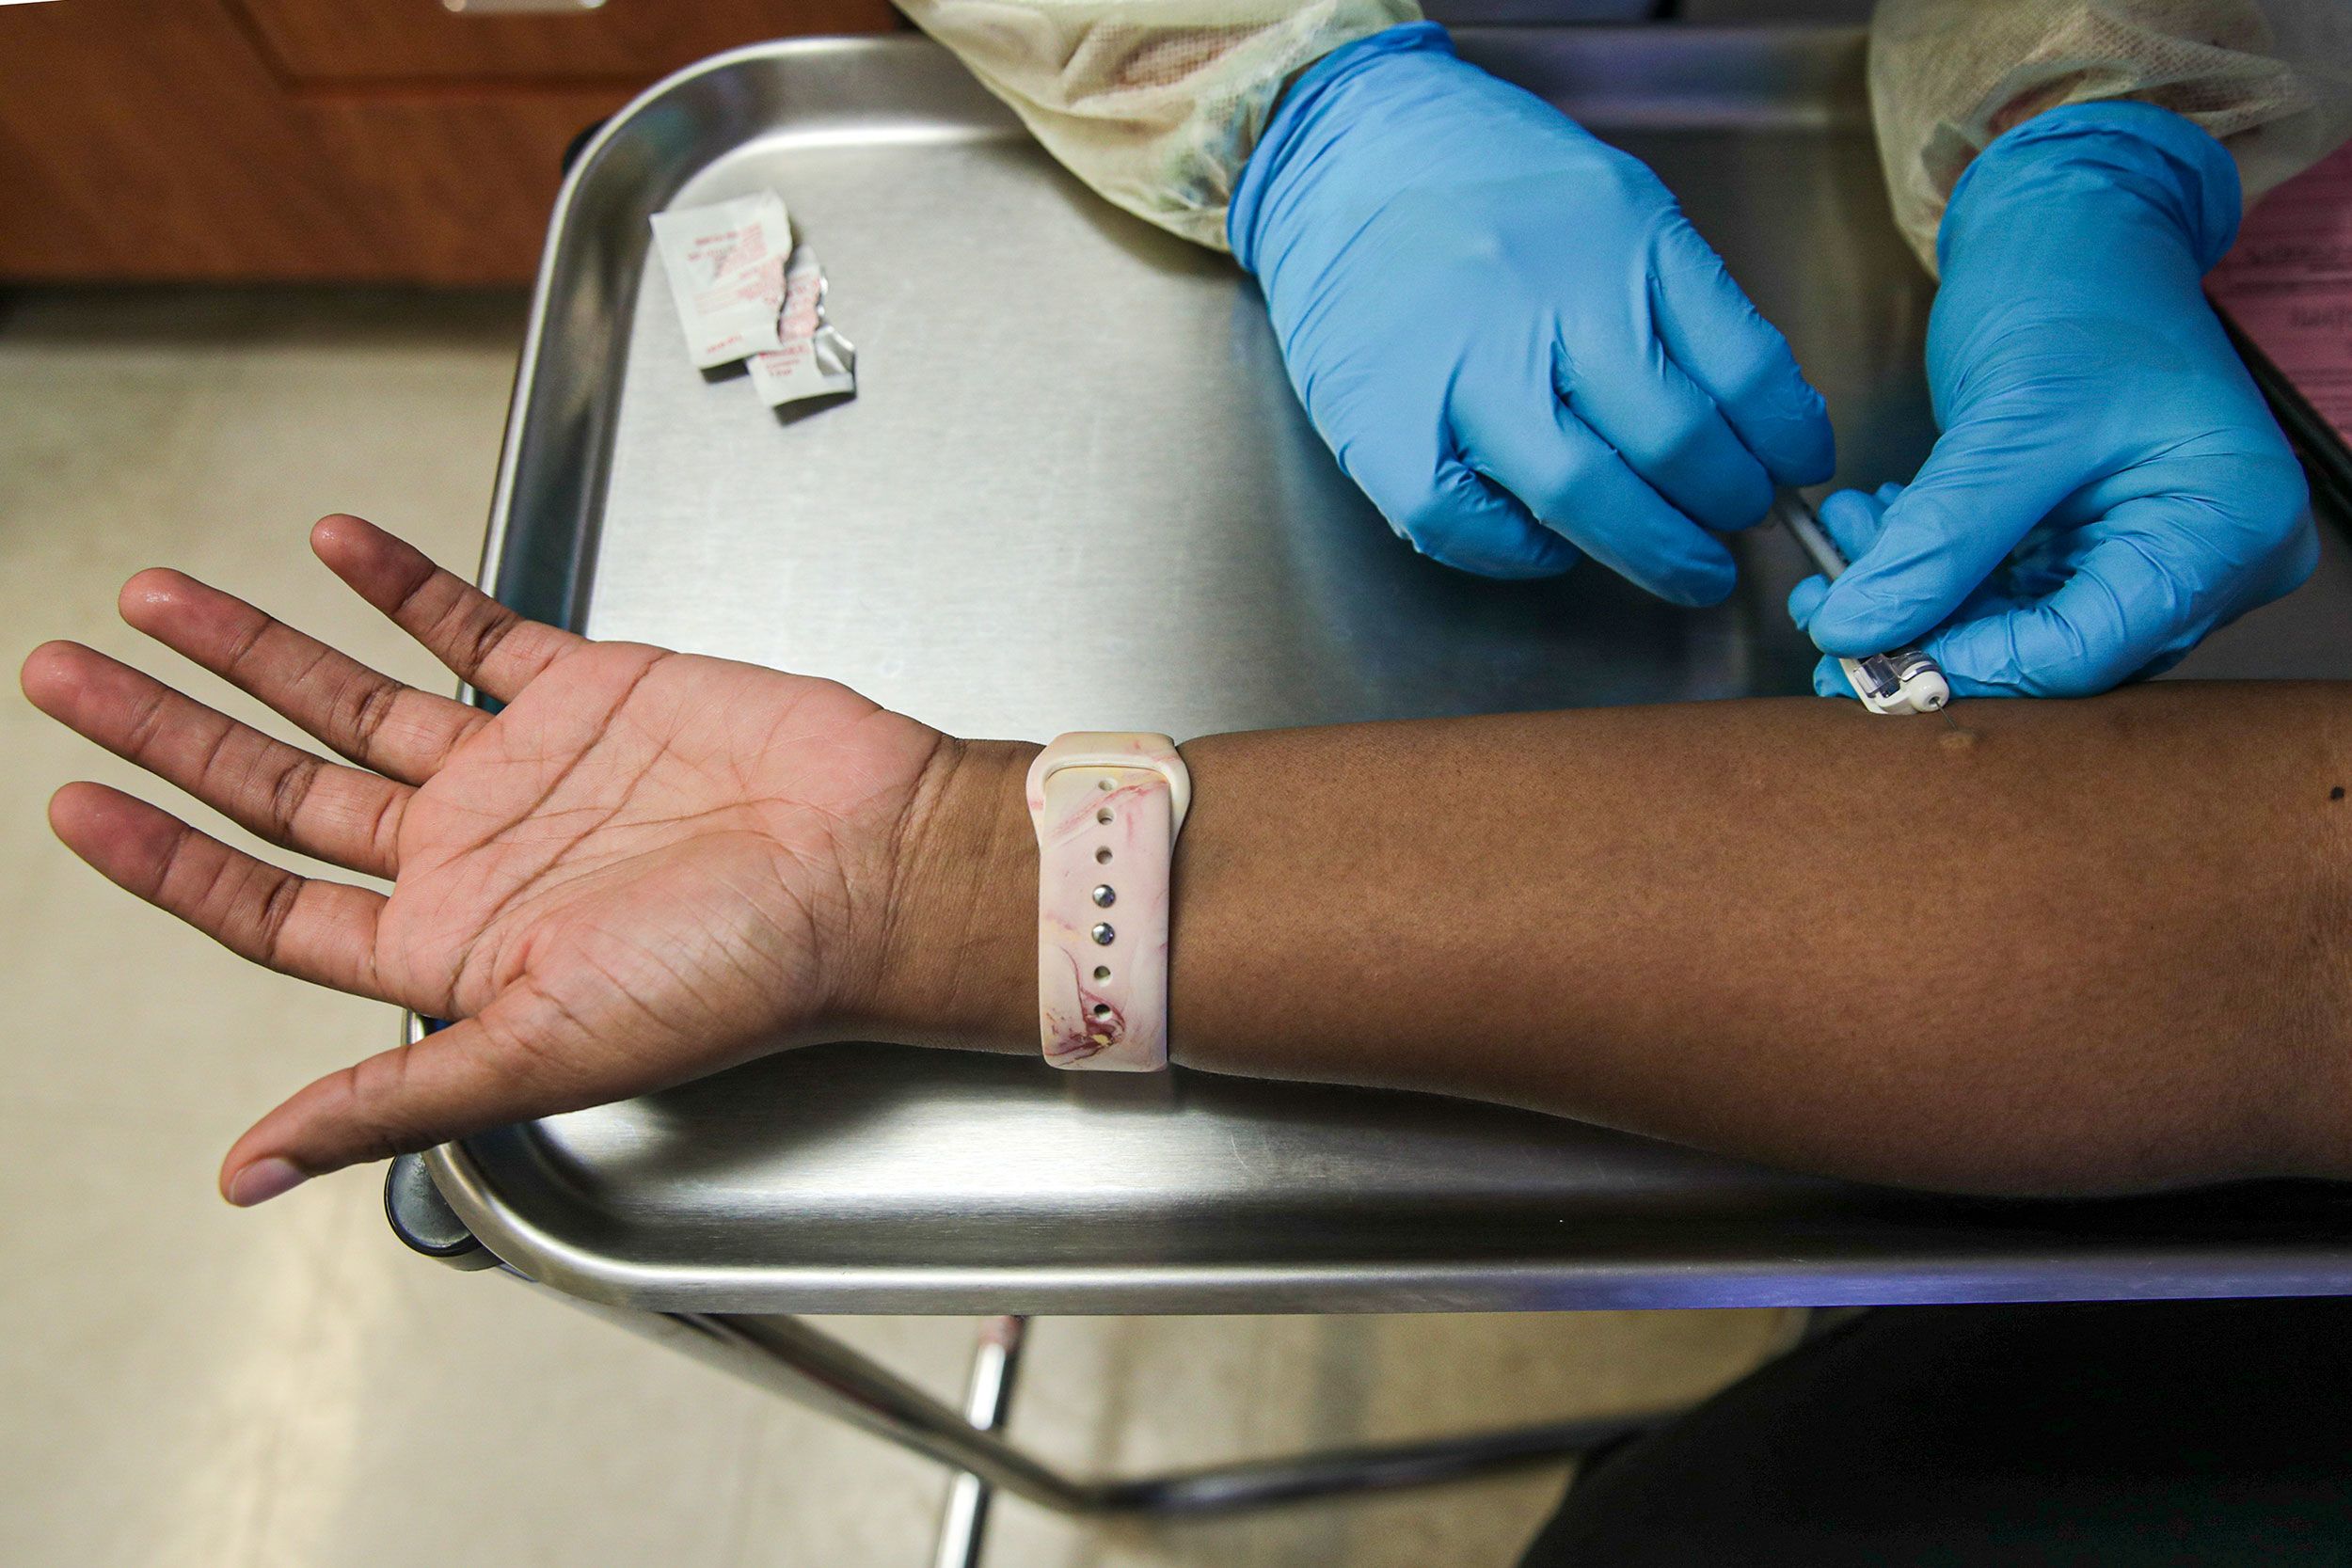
626	40
387	140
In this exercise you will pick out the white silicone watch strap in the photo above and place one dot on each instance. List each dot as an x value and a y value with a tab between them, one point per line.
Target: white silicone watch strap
1107	807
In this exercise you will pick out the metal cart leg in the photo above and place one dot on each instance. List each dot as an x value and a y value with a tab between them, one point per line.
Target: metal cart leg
792	1359
789	1356
987	1401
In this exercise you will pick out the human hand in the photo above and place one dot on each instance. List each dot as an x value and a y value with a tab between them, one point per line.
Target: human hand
646	867
1507	331
2109	487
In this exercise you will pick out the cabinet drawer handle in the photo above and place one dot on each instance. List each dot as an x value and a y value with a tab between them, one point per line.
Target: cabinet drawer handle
519	8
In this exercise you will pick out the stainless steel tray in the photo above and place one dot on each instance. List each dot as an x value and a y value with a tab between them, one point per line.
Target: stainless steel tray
1063	409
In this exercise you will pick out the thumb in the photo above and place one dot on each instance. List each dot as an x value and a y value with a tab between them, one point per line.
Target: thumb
1989	481
1855	518
1852	520
466	1078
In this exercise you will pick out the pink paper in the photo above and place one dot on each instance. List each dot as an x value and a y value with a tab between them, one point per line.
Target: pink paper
2288	283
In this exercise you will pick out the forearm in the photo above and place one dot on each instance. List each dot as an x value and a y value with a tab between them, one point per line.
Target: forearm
2069	947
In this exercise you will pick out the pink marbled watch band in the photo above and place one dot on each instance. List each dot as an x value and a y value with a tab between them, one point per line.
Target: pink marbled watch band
1107	806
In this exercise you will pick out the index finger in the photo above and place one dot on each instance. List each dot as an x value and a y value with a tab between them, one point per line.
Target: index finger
367	716
487	646
1576	483
1719	339
1982	490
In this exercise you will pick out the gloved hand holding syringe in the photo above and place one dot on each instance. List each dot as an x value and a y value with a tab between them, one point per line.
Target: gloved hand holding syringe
1904	681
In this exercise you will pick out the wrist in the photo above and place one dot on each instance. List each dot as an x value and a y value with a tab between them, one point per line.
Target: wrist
1302	126
2095	178
2088	228
957	959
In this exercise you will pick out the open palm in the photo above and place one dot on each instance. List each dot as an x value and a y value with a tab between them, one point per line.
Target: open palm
646	867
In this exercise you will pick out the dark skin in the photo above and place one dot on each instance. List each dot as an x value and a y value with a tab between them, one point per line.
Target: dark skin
2070	947
2104	953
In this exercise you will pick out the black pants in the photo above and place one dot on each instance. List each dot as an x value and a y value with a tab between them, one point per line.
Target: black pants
2142	1434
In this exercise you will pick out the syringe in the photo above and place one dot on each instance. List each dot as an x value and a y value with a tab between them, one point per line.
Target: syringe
1904	681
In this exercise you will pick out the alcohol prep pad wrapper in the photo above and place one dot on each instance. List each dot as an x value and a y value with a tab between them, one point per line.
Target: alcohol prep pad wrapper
726	264
812	359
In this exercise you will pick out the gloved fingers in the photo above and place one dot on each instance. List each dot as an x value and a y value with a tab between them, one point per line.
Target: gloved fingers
1854	518
1829	679
1988	481
1455	517
1669	432
2124	609
1804	598
2226	580
2159	573
2238	519
1711	330
1575	484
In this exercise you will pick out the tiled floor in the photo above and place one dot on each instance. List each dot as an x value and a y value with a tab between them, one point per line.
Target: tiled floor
180	1384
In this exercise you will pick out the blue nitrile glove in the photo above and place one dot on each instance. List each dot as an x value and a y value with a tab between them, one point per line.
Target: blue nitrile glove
1508	332
2092	412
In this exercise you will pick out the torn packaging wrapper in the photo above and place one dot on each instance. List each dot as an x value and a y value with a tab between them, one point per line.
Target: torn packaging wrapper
814	359
725	263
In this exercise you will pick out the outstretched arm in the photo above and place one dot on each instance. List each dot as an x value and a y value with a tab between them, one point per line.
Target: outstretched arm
2069	947
2066	947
